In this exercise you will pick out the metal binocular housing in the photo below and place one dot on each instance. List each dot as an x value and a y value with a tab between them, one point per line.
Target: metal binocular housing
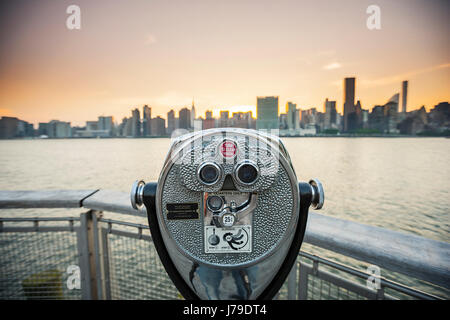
227	215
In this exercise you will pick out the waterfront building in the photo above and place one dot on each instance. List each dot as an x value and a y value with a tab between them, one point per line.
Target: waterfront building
241	120
185	119
308	118
135	123
349	101
291	109
297	119
267	113
43	129
59	129
171	122
198	124
376	119
391	114
330	118
209	121
126	127
224	119
8	127
404	95
158	126
106	124
146	120
283	123
192	115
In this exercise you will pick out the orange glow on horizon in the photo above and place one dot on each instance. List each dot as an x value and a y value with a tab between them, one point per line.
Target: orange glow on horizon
222	54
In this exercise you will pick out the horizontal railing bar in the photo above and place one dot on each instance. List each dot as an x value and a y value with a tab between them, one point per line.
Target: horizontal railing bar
37	229
383	281
26	219
124	223
23	199
411	255
113	201
130	235
341	282
408	254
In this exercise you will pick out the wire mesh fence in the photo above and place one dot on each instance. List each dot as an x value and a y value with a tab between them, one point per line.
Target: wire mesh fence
35	263
141	275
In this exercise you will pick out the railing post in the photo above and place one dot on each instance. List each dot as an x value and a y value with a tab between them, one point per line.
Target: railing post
88	249
104	258
292	283
380	294
302	282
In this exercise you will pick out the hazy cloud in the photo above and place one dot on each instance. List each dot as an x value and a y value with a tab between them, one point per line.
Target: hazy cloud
333	65
401	77
4	112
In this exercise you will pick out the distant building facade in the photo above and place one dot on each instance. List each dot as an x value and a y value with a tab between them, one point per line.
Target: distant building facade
185	119
267	113
171	122
404	95
209	121
291	111
349	101
224	119
135	123
146	120
158	126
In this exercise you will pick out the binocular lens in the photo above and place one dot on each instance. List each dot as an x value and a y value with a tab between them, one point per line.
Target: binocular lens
214	203
209	173
247	173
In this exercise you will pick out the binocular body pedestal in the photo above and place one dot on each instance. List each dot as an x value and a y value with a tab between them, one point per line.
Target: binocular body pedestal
227	215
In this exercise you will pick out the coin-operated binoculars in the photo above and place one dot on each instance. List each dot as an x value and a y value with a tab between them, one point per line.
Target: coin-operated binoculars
227	216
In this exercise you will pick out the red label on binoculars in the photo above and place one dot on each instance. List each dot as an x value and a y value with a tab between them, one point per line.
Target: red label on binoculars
228	149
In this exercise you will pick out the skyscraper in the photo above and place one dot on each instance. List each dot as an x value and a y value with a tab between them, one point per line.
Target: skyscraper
391	114
192	113
158	127
267	113
171	123
330	114
209	121
349	100
106	123
135	123
224	119
290	114
404	95
185	119
146	120
297	119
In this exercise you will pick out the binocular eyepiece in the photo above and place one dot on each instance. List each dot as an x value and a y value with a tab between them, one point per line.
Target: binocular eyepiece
227	215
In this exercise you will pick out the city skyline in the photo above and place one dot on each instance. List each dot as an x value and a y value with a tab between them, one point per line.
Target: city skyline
223	54
391	118
216	112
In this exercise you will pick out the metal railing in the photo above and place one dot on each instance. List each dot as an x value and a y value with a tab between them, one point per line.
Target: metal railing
39	256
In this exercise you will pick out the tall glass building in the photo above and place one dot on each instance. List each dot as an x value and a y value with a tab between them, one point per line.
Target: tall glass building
267	113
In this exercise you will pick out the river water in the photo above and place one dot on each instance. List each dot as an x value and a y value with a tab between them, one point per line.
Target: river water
401	184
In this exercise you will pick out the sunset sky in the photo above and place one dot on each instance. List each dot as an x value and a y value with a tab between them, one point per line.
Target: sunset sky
221	53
